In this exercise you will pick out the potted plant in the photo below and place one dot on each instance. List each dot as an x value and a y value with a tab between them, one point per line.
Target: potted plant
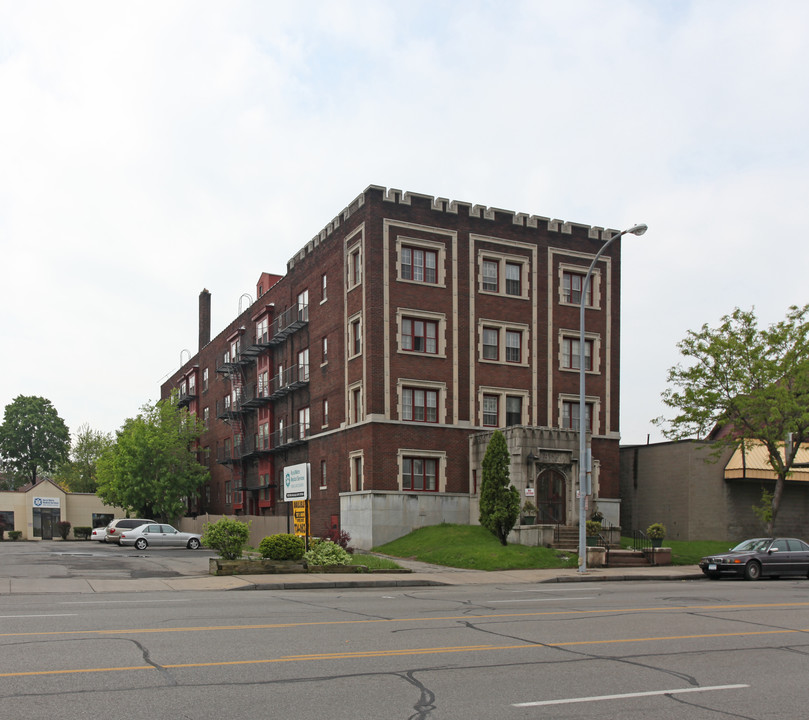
592	530
656	532
529	512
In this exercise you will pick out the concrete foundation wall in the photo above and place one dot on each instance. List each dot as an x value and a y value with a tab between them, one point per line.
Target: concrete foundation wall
374	517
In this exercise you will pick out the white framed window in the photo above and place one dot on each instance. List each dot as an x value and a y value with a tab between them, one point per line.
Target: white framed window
303	365
569	413
322	474
355	409
355	468
303	306
303	423
204	379
354	344
323	288
263	330
571	284
325	412
422	332
569	351
324	350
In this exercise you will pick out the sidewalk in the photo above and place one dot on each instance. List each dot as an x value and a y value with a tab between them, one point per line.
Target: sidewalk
422	575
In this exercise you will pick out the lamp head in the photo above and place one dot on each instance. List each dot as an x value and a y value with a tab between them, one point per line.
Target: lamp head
638	229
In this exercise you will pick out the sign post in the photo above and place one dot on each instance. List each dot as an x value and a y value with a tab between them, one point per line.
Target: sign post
296	491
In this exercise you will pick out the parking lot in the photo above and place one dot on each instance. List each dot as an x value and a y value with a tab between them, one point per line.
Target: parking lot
95	560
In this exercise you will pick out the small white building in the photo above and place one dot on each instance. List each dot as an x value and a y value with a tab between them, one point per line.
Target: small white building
35	510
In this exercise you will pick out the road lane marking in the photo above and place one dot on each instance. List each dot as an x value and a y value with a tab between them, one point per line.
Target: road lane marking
444	618
553	599
624	696
404	652
14	617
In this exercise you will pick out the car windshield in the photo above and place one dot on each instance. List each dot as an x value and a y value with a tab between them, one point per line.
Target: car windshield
752	545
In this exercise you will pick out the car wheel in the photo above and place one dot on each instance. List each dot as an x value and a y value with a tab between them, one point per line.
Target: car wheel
193	544
141	544
752	571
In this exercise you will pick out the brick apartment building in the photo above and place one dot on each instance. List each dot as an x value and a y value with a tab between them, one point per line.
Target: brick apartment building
399	338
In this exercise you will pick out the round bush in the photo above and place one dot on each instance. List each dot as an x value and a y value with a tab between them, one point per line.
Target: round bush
282	547
326	552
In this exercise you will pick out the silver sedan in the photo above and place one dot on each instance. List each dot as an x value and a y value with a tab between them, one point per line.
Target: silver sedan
159	536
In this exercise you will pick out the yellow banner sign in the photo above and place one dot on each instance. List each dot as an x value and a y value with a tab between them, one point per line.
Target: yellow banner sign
300	514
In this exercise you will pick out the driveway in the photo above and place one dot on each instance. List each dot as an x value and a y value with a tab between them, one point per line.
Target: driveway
94	560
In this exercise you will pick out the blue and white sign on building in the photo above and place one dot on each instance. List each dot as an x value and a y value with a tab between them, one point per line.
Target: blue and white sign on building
296	482
47	502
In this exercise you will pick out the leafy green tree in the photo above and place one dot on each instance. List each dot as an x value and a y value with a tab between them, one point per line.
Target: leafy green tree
741	383
499	500
33	439
152	466
79	473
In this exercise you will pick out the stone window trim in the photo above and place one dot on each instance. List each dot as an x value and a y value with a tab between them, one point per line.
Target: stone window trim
355	415
353	456
595	341
501	393
441	335
503	259
441	471
353	325
441	259
503	327
354	265
595	284
592	401
439	387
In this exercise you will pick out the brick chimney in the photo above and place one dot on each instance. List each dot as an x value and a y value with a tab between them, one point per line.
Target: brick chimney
204	318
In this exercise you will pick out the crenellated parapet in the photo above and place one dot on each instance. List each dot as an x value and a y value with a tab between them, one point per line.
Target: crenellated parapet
452	207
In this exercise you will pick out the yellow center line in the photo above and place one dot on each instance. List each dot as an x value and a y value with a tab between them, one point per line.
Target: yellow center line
403	652
366	621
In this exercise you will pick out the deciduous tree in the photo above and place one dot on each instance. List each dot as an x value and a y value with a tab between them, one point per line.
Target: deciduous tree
152	466
33	439
499	499
743	383
79	473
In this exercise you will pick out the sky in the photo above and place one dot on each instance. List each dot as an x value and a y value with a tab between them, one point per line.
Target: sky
149	150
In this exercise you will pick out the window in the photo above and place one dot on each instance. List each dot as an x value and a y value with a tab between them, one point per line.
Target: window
355	404
570	415
355	460
325	413
419	473
420	335
490	413
322	473
206	416
419	405
192	385
303	306
419	265
355	338
503	274
490	281
205	379
323	287
303	423
491	350
354	266
262	331
503	343
263	384
502	407
234	349
303	365
325	350
228	492
570	353
572	284
513	346
263	439
513	279
513	410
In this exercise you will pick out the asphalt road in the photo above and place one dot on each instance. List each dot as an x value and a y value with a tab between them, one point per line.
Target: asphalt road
691	649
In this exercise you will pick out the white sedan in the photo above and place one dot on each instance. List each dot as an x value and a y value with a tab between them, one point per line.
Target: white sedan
159	536
99	534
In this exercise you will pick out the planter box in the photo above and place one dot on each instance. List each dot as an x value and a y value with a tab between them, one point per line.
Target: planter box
217	566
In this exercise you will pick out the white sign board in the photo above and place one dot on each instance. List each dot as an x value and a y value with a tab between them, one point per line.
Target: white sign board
296	482
47	502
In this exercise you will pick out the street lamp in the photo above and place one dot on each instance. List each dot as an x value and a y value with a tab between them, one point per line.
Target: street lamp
585	458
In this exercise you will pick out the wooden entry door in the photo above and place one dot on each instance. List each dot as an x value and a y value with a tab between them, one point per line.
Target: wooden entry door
551	498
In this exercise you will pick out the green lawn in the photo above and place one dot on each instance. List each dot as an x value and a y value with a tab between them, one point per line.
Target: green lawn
473	547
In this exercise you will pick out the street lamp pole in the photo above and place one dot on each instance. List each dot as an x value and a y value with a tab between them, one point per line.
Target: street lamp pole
585	459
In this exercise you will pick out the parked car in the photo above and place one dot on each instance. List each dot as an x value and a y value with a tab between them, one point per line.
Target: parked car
99	533
117	526
760	557
159	536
